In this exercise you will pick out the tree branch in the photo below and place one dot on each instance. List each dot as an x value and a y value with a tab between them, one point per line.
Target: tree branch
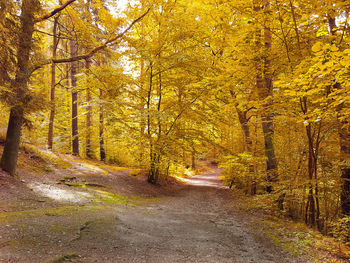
55	11
181	112
93	51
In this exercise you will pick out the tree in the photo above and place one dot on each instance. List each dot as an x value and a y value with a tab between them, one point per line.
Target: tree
19	85
53	84
24	69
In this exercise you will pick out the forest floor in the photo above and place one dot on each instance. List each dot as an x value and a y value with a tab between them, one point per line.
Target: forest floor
90	212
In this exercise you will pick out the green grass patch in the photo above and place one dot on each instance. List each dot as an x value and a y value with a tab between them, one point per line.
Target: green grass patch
111	198
86	185
62	210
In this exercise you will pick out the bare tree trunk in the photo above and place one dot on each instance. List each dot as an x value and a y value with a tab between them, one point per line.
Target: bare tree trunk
344	136
19	87
10	154
88	151
101	130
332	25
312	212
142	104
142	93
75	139
265	90
101	125
151	173
267	115
243	120
68	96
157	154
345	193
193	159
53	85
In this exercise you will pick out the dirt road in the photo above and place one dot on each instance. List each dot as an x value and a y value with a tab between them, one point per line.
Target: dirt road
194	224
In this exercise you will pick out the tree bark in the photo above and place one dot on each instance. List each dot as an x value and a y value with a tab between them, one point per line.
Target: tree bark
268	116
243	120
88	151
10	154
345	193
75	138
157	154
19	87
142	93
265	91
344	134
55	11
344	139
193	159
313	132
53	85
101	130
152	157
310	207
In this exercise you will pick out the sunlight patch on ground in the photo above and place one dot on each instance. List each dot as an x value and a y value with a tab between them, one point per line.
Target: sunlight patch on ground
189	172
85	167
59	194
181	179
208	180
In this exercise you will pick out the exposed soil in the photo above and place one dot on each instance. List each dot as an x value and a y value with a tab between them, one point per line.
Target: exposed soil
195	222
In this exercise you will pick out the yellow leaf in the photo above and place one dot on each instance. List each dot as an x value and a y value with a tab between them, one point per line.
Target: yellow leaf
345	62
329	64
317	47
334	48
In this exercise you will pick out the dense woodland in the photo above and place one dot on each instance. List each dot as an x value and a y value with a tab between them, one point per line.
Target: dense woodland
259	87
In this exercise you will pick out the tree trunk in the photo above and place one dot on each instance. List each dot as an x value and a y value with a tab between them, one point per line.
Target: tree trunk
310	208
265	90
159	136
88	151
53	85
344	134
101	131
345	193
19	87
332	25
10	154
141	94
271	162
193	160
101	125
243	120
268	116
312	212
75	139
151	173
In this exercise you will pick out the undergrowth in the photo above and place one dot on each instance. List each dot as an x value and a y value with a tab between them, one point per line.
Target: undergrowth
294	237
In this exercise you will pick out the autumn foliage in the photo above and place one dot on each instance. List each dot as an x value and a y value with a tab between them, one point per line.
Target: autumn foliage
260	87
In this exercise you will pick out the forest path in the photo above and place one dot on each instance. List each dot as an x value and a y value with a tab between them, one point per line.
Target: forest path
194	224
